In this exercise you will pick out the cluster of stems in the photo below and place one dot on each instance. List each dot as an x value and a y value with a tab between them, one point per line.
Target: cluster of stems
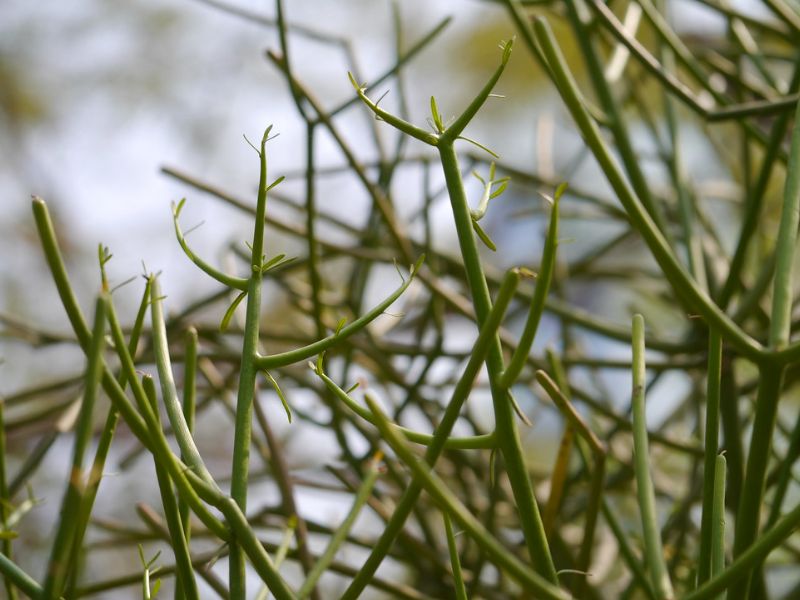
461	507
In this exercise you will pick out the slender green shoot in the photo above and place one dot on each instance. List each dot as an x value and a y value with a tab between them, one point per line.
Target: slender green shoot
656	564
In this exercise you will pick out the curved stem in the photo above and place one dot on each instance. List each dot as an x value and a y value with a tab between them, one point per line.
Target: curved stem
683	284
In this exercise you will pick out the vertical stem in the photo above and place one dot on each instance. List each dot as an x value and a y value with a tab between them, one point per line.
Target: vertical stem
311	237
505	425
458	577
644	485
189	408
711	449
63	540
247	379
771	375
718	526
185	583
747	518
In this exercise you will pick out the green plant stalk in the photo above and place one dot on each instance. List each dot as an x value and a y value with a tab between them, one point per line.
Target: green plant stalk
169	392
237	283
714	374
561	469
460	394
341	533
682	283
625	549
452	548
474	442
597	485
718	527
657	567
752	493
543	280
189	410
785	476
613	113
247	377
103	447
292	356
155	444
155	524
186	585
744	563
505	423
755	201
5	502
63	540
781	314
147	429
24	582
448	502
771	375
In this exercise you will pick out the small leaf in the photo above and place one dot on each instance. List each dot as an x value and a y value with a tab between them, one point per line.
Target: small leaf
478	177
499	190
484	238
280	395
275	183
339	326
176	209
226	319
272	262
352	388
274	265
437	117
156	587
507	49
418	265
479	145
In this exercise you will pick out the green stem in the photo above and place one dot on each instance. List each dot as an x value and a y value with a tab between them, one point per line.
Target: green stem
448	502
63	540
24	582
247	377
505	423
169	392
683	284
718	527
644	485
186	585
711	449
455	562
543	280
341	533
293	356
752	493
463	386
